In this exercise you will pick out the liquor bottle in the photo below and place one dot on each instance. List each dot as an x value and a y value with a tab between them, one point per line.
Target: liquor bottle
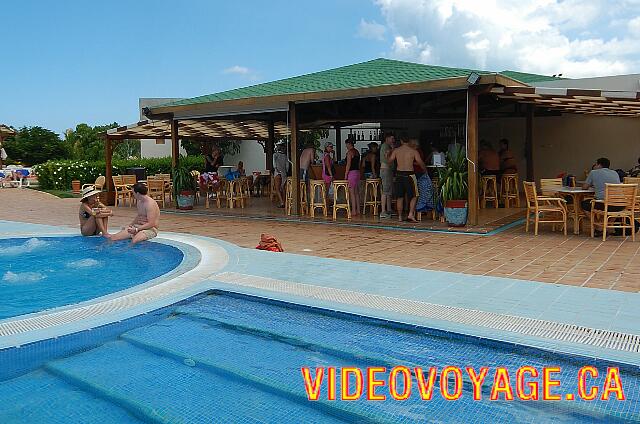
370	135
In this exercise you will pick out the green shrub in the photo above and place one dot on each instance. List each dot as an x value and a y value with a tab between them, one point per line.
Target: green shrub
58	174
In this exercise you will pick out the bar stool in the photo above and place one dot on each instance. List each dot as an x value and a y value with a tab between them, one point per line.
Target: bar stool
509	189
371	198
322	199
272	188
344	185
234	193
288	191
304	198
244	191
489	190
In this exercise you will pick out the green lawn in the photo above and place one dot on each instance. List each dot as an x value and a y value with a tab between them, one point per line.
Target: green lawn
63	194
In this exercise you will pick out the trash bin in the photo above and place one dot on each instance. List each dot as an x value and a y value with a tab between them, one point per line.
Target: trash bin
139	172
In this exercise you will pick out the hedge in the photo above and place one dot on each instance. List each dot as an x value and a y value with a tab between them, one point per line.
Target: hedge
58	174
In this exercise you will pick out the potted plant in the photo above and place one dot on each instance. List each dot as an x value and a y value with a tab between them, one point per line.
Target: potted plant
184	186
454	188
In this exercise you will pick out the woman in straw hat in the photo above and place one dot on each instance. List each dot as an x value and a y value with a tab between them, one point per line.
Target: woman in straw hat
94	216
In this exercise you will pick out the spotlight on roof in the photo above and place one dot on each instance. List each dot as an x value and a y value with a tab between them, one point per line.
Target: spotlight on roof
473	78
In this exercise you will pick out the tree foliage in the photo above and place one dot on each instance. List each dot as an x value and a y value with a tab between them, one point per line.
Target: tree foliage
87	142
32	145
227	147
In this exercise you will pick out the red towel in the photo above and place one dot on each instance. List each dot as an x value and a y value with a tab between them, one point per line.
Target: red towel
269	243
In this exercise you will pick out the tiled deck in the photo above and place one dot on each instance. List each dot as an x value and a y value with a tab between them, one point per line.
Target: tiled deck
550	257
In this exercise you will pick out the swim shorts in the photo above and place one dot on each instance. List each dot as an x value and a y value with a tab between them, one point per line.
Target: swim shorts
404	185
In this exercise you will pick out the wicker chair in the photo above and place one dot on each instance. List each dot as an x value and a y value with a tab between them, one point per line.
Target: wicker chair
617	196
99	184
156	190
550	186
544	209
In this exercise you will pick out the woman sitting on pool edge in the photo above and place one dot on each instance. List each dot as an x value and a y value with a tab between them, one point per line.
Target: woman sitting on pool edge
94	216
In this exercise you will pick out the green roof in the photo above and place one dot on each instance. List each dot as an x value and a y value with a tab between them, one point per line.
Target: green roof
528	78
374	73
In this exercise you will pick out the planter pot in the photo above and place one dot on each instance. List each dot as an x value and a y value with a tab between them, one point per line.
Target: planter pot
75	186
185	200
455	211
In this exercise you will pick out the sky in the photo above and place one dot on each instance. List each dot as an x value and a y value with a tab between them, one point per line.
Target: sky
71	62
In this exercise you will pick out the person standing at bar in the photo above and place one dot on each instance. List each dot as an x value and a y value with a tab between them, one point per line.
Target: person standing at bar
352	174
386	174
405	156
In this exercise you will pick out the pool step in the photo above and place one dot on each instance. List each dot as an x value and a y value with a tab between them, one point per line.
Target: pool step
369	342
39	397
158	389
267	364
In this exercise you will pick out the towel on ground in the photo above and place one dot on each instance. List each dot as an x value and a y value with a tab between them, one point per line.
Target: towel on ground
269	243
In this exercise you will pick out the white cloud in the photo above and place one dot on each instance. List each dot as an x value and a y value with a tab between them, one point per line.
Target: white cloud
573	37
371	30
238	70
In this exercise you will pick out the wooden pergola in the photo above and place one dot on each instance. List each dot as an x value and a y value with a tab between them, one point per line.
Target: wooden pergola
204	131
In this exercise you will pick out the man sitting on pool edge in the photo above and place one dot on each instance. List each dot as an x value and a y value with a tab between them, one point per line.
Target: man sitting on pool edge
145	224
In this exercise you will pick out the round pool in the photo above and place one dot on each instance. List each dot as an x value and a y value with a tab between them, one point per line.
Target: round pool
47	272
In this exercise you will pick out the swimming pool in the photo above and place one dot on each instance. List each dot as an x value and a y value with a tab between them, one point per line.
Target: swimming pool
232	358
40	273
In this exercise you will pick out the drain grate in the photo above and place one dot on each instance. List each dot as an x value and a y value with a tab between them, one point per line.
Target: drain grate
521	325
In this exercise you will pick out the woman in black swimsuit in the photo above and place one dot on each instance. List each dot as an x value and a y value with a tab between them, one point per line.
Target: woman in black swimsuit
94	216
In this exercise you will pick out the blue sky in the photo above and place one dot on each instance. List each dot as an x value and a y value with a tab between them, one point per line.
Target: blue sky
73	62
70	62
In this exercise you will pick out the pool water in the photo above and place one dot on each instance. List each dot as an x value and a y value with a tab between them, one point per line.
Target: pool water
232	358
46	272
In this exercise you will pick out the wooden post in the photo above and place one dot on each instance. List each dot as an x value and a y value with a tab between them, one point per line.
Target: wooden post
108	172
528	143
175	143
271	141
338	143
295	168
472	154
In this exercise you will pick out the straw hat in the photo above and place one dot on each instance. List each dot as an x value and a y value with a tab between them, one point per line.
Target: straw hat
88	192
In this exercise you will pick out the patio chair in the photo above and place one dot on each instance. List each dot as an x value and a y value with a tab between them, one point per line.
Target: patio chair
156	190
544	209
550	186
98	184
622	199
636	181
123	191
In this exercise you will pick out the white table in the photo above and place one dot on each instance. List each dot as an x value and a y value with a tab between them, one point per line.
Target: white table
577	194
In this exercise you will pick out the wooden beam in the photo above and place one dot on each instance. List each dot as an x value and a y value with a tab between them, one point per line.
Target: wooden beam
175	143
270	146
472	154
338	142
295	169
528	142
108	172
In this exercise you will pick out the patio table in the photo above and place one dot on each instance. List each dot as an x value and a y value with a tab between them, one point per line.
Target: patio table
577	194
